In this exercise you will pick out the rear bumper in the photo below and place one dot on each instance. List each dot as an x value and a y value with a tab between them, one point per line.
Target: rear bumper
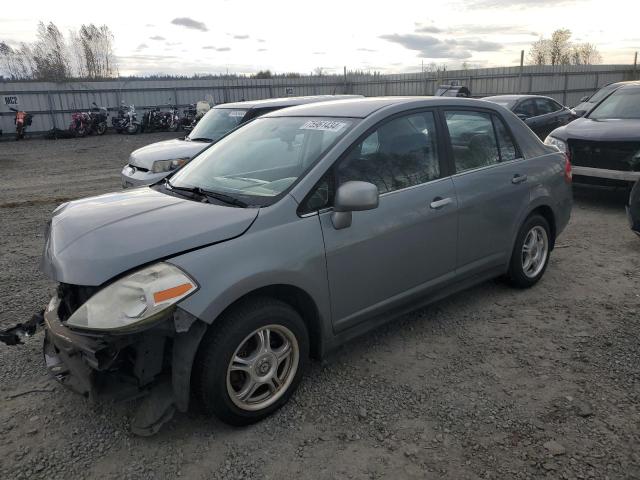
604	173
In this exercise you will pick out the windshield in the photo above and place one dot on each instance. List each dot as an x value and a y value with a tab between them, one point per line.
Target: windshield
263	158
217	123
602	93
623	103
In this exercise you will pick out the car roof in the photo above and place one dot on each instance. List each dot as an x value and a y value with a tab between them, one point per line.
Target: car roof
515	97
622	84
629	85
363	107
283	102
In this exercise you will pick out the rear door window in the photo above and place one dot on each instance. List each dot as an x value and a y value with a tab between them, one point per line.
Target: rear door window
506	145
473	140
545	106
526	108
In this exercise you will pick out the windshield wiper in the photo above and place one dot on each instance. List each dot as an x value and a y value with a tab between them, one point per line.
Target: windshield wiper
201	139
228	199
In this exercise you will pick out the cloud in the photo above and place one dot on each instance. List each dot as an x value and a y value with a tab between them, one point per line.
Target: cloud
476	29
261	40
516	3
262	49
217	49
427	28
190	23
149	25
172	44
427	46
319	53
366	50
142	46
432	47
157	37
241	37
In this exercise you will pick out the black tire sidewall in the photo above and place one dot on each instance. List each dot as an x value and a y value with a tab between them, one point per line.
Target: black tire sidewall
219	345
516	272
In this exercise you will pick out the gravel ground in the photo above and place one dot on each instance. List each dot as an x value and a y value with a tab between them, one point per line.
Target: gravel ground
490	383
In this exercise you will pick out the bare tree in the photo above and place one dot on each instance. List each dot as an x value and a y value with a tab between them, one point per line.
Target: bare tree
560	47
17	62
50	54
559	50
585	54
539	52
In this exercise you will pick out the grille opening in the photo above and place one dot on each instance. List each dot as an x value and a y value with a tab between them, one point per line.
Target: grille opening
623	156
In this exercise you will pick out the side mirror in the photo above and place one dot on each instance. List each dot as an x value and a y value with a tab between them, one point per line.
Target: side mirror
353	197
521	116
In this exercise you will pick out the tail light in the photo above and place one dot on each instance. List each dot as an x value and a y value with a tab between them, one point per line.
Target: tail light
568	176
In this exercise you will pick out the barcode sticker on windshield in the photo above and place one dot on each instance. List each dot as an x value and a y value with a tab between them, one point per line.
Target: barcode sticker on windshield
325	125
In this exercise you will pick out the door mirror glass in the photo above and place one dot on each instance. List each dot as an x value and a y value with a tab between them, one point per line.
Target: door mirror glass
350	197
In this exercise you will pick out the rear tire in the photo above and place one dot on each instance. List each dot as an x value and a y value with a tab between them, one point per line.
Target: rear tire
531	252
251	361
101	128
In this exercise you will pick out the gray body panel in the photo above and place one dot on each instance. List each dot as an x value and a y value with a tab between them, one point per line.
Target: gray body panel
401	254
94	239
394	248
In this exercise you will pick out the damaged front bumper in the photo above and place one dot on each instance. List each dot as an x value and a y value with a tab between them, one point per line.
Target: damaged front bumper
154	363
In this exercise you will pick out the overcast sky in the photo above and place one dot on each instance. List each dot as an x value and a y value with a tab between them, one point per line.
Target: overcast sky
214	36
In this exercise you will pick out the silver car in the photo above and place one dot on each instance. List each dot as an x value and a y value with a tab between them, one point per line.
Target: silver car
151	163
289	236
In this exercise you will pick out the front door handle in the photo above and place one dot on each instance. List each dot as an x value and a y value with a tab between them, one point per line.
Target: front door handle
440	202
518	179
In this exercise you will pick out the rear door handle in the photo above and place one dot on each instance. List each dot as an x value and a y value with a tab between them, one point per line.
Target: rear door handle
518	178
440	202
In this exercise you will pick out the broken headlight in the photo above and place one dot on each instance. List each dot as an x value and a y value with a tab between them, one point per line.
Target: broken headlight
134	300
168	165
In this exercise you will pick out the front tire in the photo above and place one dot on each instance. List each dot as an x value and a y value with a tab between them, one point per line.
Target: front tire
531	252
251	361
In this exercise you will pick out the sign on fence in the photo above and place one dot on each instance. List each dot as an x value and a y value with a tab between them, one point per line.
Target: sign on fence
11	100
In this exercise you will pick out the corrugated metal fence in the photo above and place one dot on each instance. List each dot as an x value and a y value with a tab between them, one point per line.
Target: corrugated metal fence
52	103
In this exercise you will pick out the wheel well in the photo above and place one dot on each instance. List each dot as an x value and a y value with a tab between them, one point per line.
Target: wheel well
302	302
547	213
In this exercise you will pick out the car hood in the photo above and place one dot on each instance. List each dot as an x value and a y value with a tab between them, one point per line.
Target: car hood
91	240
167	150
610	130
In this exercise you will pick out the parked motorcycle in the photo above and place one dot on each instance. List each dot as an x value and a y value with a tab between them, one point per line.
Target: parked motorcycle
99	117
22	121
155	119
85	123
199	110
126	121
189	116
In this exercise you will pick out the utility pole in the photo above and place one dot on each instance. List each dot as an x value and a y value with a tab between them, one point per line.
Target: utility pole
521	68
345	79
635	66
